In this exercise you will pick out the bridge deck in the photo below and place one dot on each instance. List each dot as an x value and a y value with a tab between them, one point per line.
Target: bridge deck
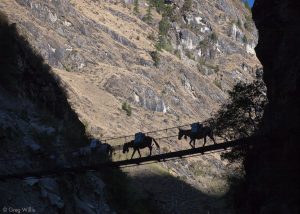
136	161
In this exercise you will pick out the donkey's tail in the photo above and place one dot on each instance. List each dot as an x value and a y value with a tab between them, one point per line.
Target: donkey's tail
155	143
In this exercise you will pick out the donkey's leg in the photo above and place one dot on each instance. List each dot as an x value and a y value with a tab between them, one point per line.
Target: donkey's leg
191	143
150	148
204	141
213	139
133	153
139	152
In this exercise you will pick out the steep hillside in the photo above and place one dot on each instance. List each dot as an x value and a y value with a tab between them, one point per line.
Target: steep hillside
37	125
102	51
173	68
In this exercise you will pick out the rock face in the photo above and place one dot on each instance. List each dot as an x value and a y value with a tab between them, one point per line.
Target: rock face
37	127
273	173
102	52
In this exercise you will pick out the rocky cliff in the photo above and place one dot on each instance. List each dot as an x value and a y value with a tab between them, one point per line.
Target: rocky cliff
102	51
37	125
273	173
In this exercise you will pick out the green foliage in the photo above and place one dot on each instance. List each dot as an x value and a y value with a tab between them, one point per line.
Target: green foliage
158	4
164	26
245	39
239	23
148	17
214	37
241	115
126	107
155	58
187	6
190	55
136	9
163	43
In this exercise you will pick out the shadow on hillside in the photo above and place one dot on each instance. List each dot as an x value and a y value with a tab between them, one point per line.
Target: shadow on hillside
24	74
160	192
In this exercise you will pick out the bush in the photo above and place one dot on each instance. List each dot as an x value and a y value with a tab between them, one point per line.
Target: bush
241	115
159	5
164	26
214	37
148	18
155	57
245	39
187	6
126	107
164	43
136	7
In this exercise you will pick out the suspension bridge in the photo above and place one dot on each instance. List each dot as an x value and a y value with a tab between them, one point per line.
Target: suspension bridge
167	140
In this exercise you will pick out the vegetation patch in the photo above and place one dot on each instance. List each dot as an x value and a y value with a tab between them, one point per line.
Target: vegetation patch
155	57
127	108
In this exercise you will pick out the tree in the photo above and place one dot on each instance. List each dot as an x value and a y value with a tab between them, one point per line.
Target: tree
155	57
245	39
187	5
164	26
148	18
126	107
136	7
241	115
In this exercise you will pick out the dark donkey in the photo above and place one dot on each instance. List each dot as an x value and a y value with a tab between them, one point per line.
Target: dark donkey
147	142
202	133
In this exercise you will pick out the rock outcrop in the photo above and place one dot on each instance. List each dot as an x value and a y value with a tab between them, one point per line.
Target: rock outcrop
37	128
102	52
272	171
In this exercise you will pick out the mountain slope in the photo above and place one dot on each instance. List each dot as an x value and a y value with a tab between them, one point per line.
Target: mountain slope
103	48
106	55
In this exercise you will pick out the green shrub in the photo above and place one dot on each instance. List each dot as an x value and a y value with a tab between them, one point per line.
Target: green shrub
190	55
245	39
136	9
164	43
239	23
187	6
214	37
148	18
155	57
159	5
126	107
164	26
